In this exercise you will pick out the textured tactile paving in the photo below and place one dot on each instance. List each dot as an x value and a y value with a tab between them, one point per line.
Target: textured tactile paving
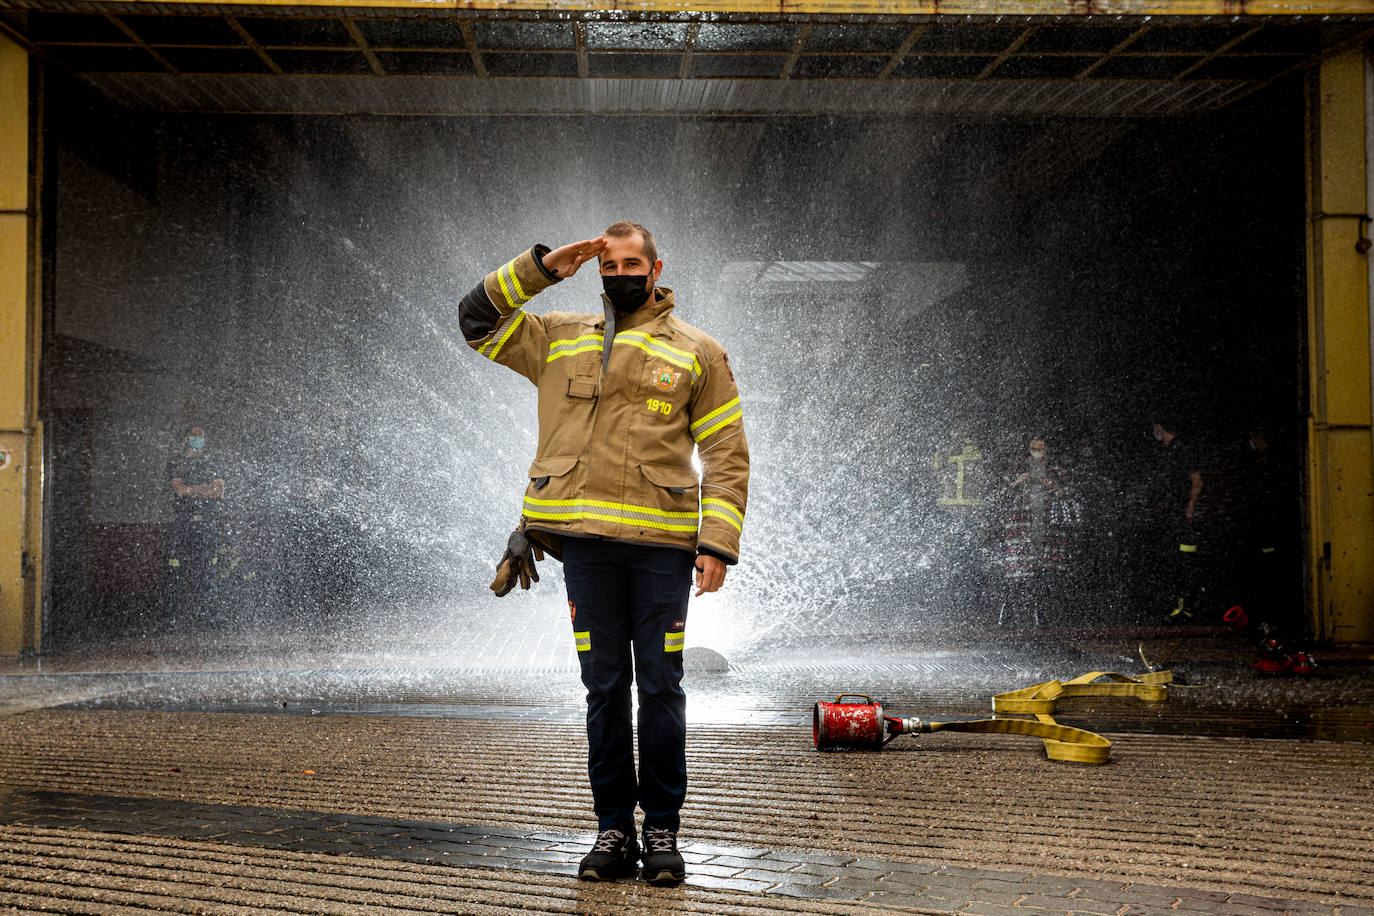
1279	820
49	824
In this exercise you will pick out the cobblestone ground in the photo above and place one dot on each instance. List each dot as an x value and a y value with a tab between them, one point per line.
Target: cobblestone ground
237	779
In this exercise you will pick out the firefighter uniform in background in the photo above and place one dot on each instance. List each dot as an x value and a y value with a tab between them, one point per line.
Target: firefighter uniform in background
1175	536
961	481
613	493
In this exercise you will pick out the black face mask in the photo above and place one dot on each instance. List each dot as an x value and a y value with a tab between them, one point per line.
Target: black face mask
626	293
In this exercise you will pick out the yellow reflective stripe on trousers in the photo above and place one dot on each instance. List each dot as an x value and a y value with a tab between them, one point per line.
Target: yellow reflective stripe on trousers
672	641
1187	548
719	508
620	513
583	640
493	346
722	416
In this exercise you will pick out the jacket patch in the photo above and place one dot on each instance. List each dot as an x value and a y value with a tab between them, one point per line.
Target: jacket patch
572	611
666	379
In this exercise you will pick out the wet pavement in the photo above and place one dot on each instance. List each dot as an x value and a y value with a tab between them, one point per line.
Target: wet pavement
241	777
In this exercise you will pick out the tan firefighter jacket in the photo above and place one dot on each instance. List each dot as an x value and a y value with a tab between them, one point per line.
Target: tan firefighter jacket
615	454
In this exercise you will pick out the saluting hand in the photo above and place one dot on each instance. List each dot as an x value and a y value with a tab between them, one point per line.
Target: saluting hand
563	262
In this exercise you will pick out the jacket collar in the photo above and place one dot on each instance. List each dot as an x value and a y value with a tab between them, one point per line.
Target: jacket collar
649	316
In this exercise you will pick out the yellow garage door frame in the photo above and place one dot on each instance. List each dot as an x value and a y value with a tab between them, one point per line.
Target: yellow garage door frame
1340	434
21	437
1340	460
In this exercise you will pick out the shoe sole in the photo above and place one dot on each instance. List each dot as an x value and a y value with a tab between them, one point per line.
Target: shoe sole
666	878
591	874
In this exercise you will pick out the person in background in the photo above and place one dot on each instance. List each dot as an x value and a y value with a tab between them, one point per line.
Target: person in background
197	488
1036	520
1267	568
1175	529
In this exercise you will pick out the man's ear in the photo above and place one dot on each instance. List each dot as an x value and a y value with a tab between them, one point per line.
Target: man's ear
658	269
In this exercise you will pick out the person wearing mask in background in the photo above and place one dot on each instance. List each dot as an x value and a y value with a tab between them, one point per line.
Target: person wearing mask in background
623	398
1035	538
1175	528
197	488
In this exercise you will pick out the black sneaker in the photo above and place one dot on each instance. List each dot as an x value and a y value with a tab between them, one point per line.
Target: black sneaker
615	854
662	862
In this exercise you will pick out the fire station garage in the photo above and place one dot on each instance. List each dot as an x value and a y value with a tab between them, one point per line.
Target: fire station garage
908	221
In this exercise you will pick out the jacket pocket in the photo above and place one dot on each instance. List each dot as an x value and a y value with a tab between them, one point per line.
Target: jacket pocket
669	486
555	470
586	375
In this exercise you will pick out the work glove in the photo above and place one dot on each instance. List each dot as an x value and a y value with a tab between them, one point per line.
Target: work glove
516	564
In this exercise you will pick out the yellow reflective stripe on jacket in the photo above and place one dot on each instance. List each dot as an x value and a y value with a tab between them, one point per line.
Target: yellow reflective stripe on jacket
493	346
680	358
719	508
510	286
622	513
722	416
658	344
589	342
561	348
672	641
583	640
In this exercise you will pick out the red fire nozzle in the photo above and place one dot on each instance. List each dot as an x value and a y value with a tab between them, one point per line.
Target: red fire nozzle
859	724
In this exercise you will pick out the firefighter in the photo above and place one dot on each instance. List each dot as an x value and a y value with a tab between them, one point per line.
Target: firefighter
1176	517
624	398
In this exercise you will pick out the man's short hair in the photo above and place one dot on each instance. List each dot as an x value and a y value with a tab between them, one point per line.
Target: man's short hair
625	228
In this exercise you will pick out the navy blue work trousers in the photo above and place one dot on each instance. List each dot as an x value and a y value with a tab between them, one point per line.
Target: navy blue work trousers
629	614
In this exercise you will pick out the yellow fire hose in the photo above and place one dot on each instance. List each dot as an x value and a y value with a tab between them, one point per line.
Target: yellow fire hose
838	725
